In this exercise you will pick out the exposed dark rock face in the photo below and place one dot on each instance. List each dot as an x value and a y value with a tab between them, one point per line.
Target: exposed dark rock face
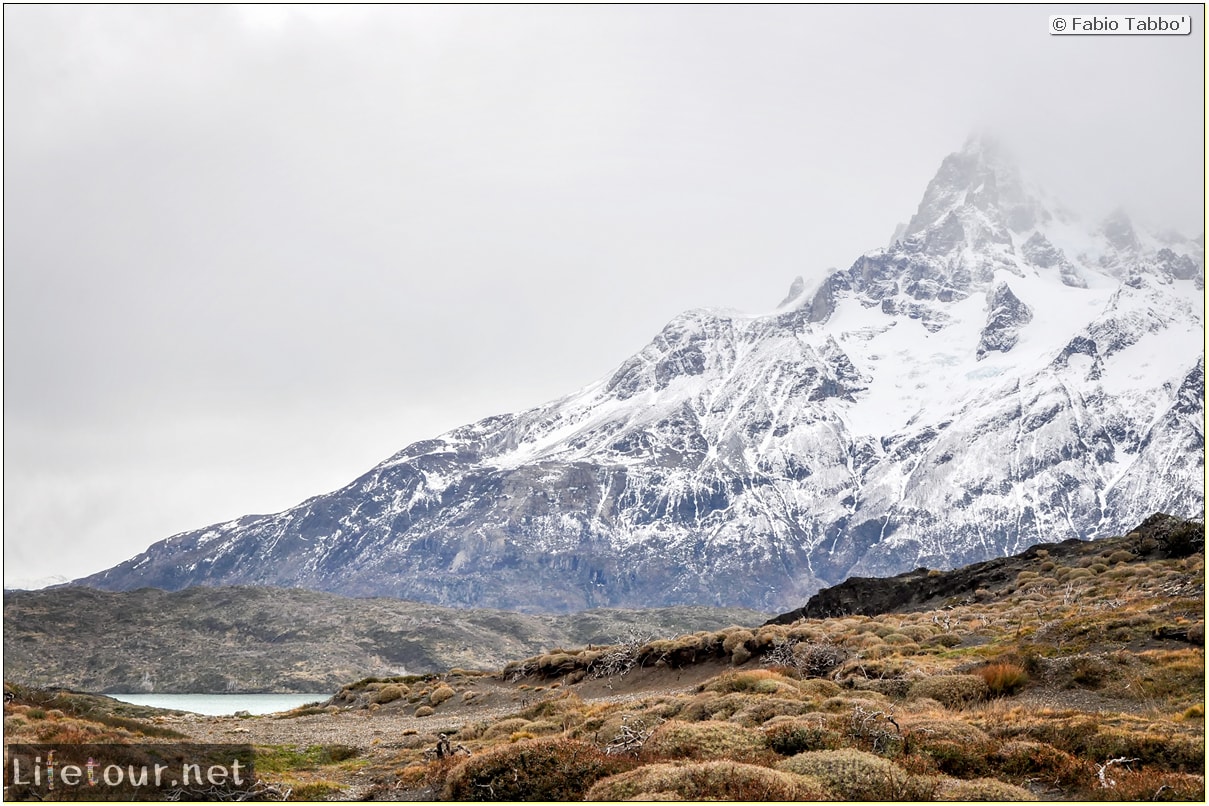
1040	252
1159	535
1006	317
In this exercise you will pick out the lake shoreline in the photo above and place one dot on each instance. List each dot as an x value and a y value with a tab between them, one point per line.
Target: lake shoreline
205	704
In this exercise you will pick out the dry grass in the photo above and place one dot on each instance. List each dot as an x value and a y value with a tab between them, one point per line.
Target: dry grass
1003	679
705	741
539	769
1026	689
857	775
711	780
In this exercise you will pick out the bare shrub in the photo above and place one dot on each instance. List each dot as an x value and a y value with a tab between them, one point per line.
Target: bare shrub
632	735
622	657
792	736
1148	785
873	728
1039	761
809	658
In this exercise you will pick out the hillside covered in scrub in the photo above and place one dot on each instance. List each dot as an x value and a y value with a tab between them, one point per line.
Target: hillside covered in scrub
1077	676
247	639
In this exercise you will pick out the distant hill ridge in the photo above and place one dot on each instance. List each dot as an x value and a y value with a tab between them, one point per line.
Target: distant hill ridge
250	639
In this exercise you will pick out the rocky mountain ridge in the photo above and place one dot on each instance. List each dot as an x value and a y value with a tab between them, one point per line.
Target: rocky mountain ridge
1000	375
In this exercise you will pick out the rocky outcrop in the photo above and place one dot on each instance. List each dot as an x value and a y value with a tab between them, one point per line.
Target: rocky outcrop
1159	535
1006	317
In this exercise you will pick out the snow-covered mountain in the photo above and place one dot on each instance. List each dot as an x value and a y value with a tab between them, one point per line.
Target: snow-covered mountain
1000	375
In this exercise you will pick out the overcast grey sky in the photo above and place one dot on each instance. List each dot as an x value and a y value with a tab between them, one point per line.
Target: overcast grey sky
252	251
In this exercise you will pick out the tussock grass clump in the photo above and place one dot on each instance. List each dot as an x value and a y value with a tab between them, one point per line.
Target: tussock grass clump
895	688
710	780
1149	785
762	709
918	632
1162	749
804	633
705	741
556	664
736	644
1024	760
944	730
708	705
440	694
387	694
951	690
857	775
982	789
959	759
1165	745
862	640
788	737
506	727
944	639
869	701
819	689
898	639
537	769
1003	679
1120	556
557	707
756	681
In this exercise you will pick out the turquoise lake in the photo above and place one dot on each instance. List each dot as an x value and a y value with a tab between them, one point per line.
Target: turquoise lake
223	704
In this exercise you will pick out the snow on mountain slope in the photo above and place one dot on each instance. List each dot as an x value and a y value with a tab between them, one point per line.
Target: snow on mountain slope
999	376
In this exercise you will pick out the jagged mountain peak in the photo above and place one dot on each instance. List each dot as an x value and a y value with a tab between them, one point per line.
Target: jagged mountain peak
979	221
796	290
1118	229
980	185
987	382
